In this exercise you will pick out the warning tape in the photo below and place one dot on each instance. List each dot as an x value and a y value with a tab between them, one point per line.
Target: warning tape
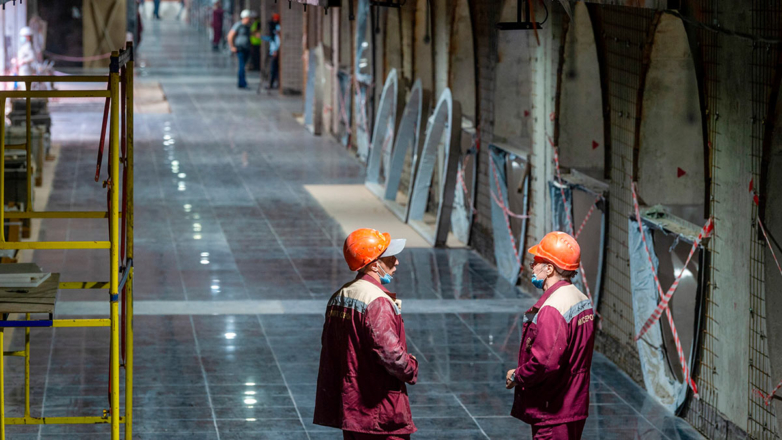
586	219
676	340
570	229
506	211
766	397
663	305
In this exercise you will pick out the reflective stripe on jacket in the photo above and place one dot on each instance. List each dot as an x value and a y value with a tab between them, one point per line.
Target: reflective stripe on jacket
555	358
364	363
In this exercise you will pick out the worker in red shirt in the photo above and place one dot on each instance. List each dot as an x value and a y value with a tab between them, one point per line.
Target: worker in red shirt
552	378
364	362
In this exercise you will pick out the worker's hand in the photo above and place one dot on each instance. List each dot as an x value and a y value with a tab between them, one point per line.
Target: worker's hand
510	384
233	49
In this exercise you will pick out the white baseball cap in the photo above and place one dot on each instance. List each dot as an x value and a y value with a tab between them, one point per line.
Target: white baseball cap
246	14
25	31
394	248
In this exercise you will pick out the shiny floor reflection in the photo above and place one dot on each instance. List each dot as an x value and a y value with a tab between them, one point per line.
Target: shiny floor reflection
222	216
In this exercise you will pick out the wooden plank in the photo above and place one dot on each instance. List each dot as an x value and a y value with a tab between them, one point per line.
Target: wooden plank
36	300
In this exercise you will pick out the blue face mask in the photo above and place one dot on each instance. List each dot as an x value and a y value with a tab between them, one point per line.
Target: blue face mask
536	282
385	279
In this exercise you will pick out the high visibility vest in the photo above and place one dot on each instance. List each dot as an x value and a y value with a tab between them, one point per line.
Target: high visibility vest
255	41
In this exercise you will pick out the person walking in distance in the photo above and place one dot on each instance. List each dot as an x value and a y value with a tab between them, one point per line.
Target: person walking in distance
255	43
239	42
551	380
364	362
274	55
217	25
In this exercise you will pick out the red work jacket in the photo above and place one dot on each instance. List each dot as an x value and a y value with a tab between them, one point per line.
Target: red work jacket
555	358
364	363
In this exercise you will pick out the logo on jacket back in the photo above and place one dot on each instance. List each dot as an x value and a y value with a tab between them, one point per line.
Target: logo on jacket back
585	319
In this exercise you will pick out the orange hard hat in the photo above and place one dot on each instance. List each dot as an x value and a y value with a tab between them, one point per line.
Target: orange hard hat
559	248
275	17
366	245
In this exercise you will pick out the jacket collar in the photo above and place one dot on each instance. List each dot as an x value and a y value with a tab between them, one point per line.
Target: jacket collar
547	294
367	277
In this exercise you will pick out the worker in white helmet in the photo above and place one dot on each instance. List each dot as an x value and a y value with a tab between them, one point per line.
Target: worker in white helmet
26	56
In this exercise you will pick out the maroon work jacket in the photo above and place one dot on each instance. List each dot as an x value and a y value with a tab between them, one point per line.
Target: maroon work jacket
555	358
364	363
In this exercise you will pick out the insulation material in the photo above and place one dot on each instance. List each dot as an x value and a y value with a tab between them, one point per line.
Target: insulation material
506	245
658	379
559	217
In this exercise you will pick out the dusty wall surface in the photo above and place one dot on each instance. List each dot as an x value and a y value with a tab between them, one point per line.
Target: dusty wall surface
291	50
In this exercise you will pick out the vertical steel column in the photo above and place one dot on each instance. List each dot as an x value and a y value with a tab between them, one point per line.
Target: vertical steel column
114	238
2	381
27	369
28	145
2	185
129	222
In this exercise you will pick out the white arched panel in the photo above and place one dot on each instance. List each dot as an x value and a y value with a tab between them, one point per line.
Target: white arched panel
406	151
442	138
388	116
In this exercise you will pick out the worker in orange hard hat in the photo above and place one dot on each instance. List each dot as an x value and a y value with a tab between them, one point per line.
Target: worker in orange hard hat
555	357
364	362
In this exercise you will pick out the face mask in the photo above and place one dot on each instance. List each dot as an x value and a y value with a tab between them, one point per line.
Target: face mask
385	279
537	282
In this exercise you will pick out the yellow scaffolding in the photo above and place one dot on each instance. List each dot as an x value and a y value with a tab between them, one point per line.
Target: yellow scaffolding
119	94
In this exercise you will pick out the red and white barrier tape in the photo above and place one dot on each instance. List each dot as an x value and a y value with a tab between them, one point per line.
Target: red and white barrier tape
506	211
663	305
570	229
586	219
676	340
766	397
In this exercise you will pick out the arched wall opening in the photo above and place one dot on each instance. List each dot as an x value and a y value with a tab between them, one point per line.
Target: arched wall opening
581	153
671	186
513	75
581	126
461	66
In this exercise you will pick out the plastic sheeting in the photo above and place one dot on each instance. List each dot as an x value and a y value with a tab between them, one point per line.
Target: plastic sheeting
345	107
461	215
504	253
364	78
559	218
658	378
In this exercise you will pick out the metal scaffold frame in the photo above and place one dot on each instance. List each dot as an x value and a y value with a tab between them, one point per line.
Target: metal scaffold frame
119	105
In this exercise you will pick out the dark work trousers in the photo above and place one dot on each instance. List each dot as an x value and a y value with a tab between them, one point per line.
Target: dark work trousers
275	70
243	55
255	56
